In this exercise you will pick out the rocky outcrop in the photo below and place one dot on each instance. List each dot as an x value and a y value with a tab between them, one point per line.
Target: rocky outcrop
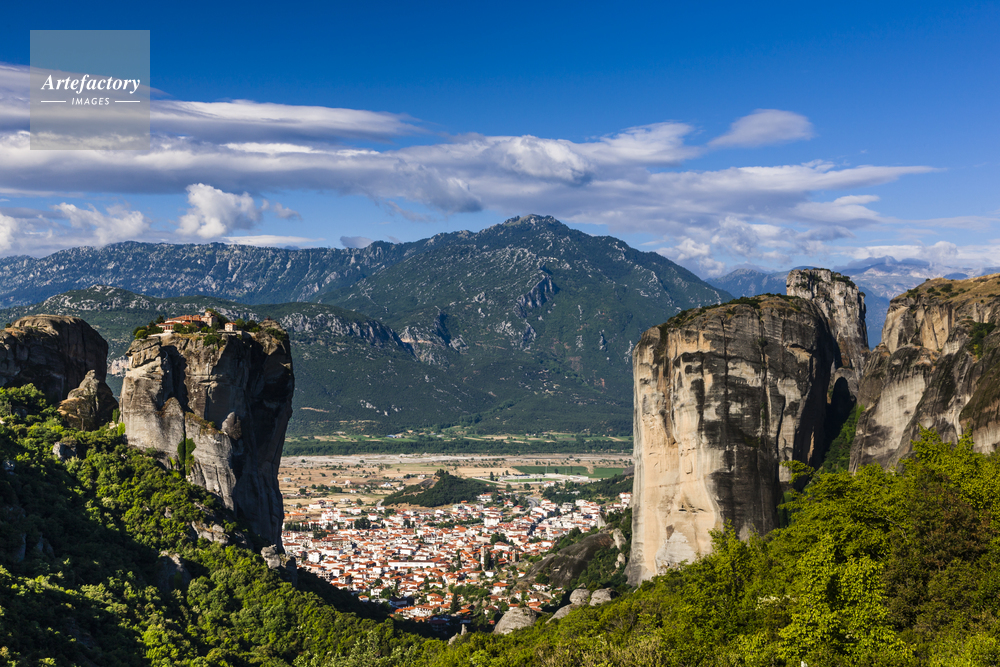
579	597
277	560
843	305
217	409
516	619
602	596
563	567
90	405
938	367
562	613
171	573
54	353
64	451
723	395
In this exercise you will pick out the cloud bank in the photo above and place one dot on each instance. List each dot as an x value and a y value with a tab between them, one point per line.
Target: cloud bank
224	156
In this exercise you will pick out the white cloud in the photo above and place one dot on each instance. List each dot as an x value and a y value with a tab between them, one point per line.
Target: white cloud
693	254
117	223
942	252
8	230
631	180
764	127
280	211
248	121
356	241
270	240
214	213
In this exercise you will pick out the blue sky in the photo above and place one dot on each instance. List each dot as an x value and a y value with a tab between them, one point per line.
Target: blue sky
718	134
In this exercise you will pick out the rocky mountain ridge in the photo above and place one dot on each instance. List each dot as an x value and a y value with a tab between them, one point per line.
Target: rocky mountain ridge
250	274
938	367
527	325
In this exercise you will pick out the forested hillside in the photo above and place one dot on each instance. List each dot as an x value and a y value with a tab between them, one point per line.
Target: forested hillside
878	568
874	569
82	580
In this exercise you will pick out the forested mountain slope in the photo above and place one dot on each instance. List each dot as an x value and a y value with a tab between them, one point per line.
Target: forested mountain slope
525	326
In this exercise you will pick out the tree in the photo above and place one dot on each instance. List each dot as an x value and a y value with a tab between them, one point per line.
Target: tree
185	455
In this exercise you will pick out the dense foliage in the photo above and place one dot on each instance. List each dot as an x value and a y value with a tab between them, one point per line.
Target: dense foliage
604	489
446	490
82	582
878	568
881	567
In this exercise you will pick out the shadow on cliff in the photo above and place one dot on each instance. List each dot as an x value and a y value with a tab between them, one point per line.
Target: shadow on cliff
178	371
841	404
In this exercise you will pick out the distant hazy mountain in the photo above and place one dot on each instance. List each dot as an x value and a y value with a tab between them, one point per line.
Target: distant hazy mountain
244	273
750	282
887	276
527	325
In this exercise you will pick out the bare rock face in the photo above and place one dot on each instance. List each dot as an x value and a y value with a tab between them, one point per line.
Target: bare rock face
90	405
843	305
580	596
64	451
567	564
276	559
217	411
516	619
938	367
603	596
722	396
562	612
52	352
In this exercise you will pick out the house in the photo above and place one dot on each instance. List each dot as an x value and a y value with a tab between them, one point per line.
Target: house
207	319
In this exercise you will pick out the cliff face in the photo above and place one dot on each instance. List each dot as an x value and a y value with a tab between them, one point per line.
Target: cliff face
53	353
722	396
231	401
843	305
938	367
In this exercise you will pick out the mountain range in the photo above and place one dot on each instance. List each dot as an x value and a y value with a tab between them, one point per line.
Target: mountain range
524	326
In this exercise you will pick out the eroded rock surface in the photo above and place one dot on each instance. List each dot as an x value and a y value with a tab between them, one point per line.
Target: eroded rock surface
229	400
52	352
516	619
603	596
562	612
89	406
843	305
171	573
567	564
938	367
723	395
580	596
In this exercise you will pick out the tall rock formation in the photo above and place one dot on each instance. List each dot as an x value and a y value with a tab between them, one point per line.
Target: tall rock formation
217	410
843	305
938	367
52	352
722	396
